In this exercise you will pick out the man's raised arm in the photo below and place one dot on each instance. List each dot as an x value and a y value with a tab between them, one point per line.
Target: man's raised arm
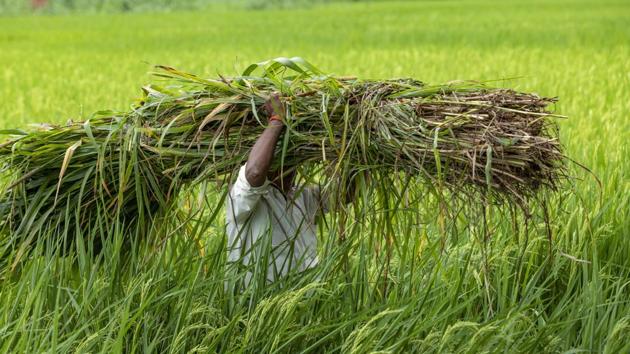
261	155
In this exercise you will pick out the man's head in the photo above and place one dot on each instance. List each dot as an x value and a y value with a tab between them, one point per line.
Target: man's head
283	180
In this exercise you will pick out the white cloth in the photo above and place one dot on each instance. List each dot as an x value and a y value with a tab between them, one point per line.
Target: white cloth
265	229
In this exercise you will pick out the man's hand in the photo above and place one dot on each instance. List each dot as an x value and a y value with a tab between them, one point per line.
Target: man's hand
274	108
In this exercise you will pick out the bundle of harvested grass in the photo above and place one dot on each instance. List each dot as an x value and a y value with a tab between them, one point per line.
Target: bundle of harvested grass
460	137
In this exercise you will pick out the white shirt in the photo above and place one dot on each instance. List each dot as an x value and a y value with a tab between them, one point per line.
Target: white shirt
265	229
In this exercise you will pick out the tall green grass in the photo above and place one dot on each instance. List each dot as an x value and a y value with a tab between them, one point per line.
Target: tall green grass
460	294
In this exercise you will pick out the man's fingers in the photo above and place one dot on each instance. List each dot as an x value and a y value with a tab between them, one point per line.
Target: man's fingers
274	104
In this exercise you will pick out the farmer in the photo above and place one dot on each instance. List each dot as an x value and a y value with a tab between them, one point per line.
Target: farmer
270	222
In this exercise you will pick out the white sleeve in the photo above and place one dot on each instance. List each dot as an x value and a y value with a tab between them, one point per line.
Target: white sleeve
243	197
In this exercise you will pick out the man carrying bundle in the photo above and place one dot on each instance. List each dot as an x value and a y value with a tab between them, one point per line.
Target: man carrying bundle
271	223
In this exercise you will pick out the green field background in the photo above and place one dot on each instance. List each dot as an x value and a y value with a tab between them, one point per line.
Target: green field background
55	68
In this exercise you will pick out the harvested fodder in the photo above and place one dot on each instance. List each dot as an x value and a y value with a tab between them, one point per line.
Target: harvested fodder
460	137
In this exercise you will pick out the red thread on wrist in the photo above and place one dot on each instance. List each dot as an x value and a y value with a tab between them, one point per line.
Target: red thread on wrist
275	117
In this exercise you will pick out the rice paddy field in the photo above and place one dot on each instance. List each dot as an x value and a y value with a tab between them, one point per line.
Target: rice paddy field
558	284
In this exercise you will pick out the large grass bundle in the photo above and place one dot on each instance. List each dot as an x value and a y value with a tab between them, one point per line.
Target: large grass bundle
125	167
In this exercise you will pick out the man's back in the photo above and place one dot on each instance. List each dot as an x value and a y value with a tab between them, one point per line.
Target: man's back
268	229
